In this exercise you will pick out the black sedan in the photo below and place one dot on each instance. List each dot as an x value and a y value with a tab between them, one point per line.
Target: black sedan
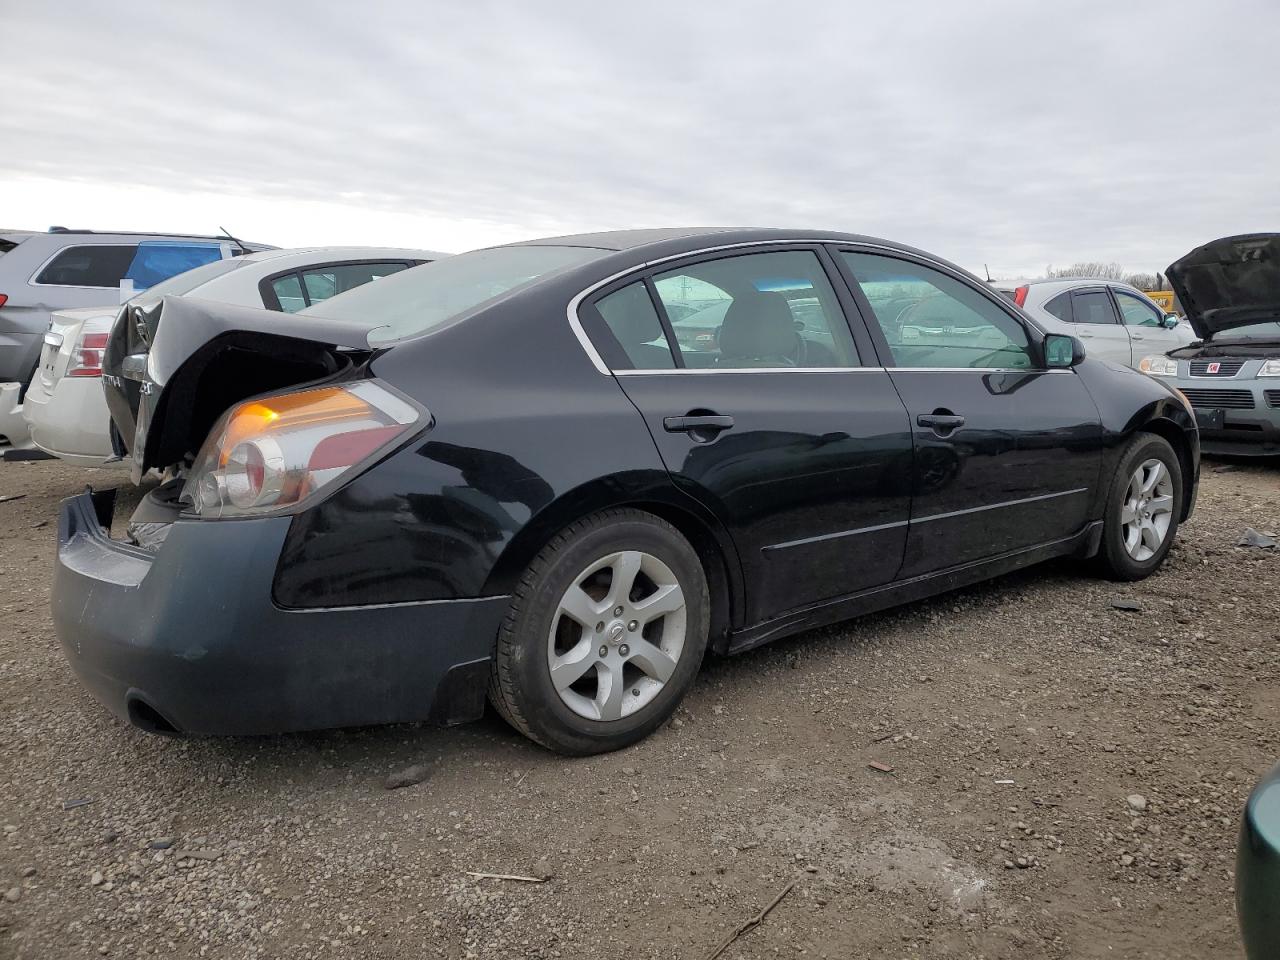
504	473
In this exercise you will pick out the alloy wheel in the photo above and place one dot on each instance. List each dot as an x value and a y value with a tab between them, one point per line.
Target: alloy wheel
617	635
1147	510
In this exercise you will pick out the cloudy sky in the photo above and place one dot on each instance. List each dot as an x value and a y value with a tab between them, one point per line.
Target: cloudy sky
1013	134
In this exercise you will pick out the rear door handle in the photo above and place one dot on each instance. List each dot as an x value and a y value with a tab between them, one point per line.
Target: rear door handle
711	423
941	423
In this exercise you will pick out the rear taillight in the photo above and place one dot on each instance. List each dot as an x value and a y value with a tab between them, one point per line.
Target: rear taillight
86	357
274	453
4	298
1020	296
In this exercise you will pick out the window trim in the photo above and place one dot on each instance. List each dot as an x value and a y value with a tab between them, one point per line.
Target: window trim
1035	333
271	301
649	269
1071	308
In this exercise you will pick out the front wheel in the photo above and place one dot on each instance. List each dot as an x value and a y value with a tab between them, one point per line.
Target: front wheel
1142	510
605	634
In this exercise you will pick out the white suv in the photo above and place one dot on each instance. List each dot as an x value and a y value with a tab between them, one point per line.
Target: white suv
43	272
1116	321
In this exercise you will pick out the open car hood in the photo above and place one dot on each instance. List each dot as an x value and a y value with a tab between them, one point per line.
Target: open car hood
173	365
1229	283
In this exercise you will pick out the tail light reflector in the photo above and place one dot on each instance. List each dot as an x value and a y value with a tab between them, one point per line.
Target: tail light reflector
1020	296
86	357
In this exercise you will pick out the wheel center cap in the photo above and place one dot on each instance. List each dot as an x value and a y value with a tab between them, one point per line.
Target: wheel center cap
617	630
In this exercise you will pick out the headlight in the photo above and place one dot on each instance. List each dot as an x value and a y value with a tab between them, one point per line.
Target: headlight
1160	366
275	452
1270	368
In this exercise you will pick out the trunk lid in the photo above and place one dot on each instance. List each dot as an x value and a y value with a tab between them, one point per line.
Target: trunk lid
174	364
1229	283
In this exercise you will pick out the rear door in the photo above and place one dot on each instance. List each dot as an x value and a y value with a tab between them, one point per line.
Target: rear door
1098	325
765	410
1006	453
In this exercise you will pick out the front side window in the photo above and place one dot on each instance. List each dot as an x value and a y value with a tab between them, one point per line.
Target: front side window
756	310
1092	306
1136	312
933	320
146	263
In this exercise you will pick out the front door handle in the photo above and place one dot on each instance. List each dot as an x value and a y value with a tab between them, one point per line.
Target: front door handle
941	422
1136	336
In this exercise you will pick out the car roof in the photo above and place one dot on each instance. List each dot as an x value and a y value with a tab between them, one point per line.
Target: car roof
1061	282
309	255
666	241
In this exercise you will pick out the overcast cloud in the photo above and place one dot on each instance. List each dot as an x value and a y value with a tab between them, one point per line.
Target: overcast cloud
1012	134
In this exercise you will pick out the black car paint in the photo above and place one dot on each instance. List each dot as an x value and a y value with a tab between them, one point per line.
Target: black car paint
528	434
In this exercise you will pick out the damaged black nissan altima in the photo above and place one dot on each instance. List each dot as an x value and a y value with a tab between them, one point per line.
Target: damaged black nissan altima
512	473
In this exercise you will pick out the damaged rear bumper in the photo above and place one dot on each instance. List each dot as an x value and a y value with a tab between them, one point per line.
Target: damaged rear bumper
189	640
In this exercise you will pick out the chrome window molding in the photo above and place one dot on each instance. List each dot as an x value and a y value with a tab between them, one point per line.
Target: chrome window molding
597	361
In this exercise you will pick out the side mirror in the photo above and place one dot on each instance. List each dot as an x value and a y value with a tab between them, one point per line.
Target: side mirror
1061	350
1171	320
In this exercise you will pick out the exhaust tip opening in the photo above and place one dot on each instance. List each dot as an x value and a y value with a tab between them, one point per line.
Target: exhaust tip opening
146	717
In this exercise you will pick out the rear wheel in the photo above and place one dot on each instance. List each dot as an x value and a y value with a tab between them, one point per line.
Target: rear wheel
1142	510
606	631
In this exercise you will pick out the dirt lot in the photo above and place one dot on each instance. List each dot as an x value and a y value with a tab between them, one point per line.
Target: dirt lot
1066	780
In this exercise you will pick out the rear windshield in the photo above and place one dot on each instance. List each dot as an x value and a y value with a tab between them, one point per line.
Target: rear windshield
424	298
187	281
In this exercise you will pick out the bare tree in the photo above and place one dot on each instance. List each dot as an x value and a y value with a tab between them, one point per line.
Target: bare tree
1096	269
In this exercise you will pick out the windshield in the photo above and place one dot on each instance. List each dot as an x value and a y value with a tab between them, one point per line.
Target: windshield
424	298
183	283
1269	331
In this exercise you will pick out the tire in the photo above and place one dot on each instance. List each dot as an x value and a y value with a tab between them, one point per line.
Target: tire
1117	559
632	689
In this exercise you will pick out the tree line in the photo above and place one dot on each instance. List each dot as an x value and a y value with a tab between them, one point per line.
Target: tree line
1109	271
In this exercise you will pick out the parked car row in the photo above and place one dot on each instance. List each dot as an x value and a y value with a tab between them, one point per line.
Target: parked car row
553	475
64	405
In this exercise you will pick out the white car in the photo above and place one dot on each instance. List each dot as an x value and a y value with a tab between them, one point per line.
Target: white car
1116	321
65	407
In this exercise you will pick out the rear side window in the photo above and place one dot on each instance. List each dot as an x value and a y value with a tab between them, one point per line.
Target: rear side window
1060	307
323	283
1092	306
146	263
307	286
288	291
756	310
634	323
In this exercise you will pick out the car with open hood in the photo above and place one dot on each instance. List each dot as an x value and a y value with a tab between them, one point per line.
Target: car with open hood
1230	289
504	474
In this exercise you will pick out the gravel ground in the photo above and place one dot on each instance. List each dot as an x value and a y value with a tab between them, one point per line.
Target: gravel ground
1065	781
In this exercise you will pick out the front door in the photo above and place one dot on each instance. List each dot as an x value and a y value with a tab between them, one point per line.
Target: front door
1006	454
750	381
1146	325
